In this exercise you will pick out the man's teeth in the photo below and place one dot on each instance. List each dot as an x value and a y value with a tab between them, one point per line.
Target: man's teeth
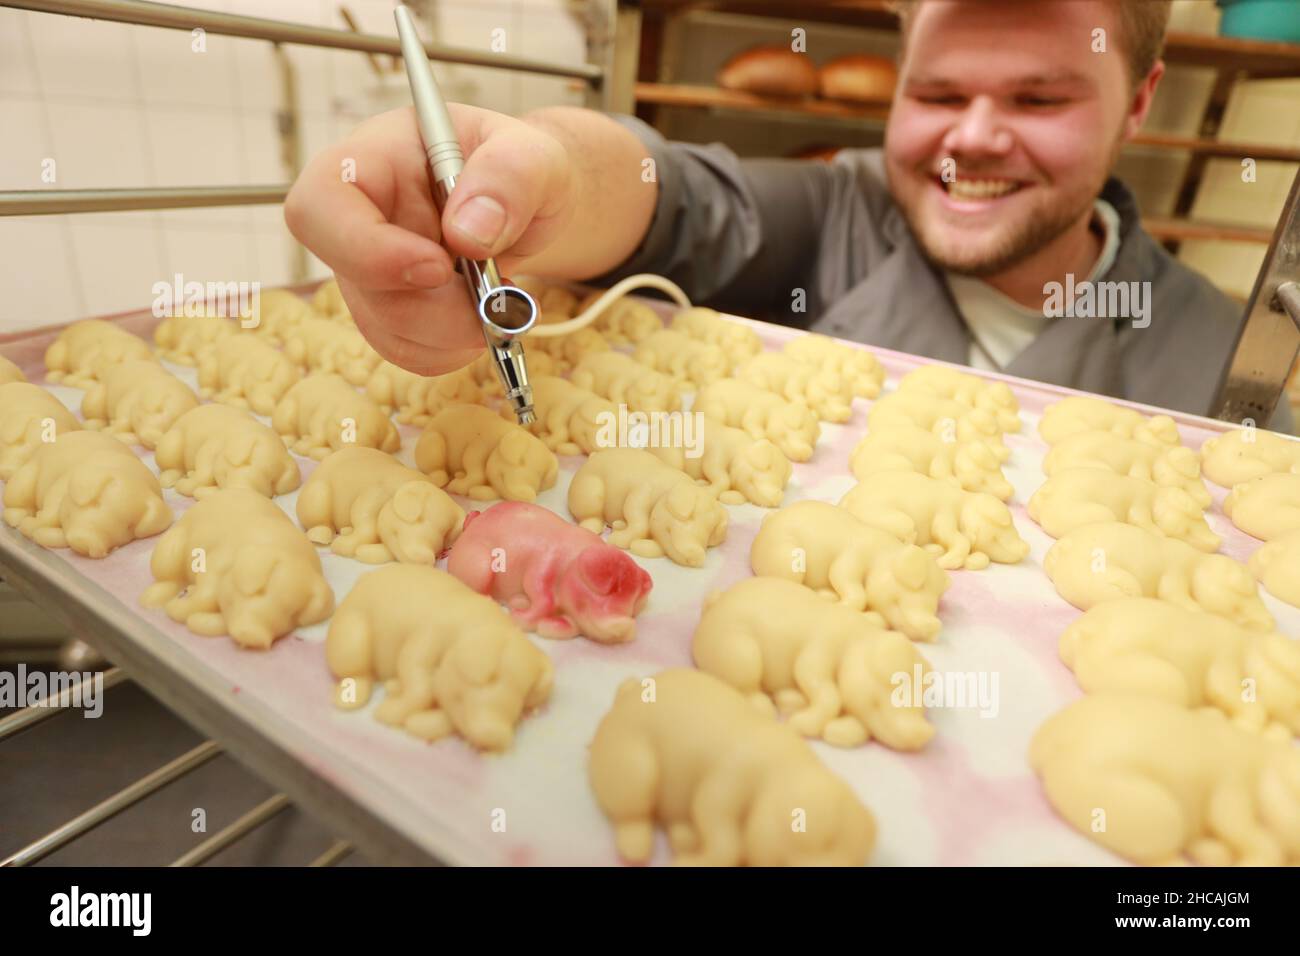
981	188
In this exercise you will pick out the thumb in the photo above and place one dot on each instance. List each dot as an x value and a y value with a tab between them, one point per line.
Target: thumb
515	175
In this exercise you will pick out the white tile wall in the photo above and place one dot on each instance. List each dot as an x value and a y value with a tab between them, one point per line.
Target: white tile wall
17	70
24	156
123	106
39	259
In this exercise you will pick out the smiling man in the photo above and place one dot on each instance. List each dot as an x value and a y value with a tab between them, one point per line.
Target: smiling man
988	231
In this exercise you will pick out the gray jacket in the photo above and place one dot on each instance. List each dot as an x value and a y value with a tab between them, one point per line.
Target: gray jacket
763	237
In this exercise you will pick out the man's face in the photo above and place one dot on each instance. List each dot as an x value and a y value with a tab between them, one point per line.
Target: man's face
1029	116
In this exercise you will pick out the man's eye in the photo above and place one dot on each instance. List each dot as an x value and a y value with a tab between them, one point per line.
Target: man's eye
1039	101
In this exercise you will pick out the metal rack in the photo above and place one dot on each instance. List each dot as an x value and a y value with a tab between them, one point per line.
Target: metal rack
612	36
608	78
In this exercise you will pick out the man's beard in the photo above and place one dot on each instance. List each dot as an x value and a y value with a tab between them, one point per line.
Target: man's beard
1042	225
1039	228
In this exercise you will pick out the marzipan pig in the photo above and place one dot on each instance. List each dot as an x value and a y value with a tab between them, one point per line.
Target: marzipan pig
558	579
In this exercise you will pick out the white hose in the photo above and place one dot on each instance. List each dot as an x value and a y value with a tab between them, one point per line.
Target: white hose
645	280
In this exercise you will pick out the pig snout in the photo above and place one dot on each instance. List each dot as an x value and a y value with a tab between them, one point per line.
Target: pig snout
602	591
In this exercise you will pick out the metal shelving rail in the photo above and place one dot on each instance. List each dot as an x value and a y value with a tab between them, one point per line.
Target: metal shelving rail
612	32
608	77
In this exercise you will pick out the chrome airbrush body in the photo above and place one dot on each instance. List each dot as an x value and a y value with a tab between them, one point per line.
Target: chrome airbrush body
507	312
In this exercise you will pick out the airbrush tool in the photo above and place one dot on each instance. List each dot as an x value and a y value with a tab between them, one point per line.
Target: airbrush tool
506	312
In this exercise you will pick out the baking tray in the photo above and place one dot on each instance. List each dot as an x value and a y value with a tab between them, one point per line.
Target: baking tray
968	799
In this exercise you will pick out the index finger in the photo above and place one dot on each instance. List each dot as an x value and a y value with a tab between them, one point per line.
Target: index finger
364	207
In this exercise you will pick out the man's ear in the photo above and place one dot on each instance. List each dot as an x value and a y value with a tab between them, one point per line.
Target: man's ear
1142	97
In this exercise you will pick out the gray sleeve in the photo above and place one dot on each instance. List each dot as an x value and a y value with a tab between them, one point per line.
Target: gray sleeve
734	234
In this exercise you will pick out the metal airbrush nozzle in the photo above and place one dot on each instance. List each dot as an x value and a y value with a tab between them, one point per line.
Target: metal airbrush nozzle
506	312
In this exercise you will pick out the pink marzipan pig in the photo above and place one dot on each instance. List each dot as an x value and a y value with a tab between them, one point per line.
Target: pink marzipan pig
558	579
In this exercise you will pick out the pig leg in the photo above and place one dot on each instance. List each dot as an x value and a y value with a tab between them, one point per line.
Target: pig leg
716	810
473	482
788	700
1175	586
541	615
848	580
753	421
957	546
717	474
1232	817
428	725
1139	674
814	673
154	518
591	492
170	565
738	662
324	433
636	511
362	541
415	694
316	506
1143	821
856	682
200	475
44	526
20	494
171	449
683	838
197	606
625	788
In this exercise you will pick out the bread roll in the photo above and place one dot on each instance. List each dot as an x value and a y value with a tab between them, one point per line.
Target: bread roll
859	78
770	70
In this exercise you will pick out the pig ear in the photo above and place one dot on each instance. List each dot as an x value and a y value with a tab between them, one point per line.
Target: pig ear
238	449
252	570
604	569
477	659
911	567
681	502
981	455
408	500
86	487
994	510
1184	462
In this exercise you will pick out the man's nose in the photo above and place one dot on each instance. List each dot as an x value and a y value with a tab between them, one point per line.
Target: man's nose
978	130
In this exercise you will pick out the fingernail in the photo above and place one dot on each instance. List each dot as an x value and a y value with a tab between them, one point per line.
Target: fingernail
426	275
481	219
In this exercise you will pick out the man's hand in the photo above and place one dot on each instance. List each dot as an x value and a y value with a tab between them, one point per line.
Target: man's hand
384	240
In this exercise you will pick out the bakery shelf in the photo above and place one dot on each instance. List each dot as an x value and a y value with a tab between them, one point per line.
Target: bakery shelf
707	97
869	14
1163	229
1232	58
1261	58
1177	230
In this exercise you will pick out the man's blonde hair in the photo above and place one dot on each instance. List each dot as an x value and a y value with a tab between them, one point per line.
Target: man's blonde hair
1143	24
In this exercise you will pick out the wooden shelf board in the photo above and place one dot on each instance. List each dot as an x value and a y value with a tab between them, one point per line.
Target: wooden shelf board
709	97
1180	229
